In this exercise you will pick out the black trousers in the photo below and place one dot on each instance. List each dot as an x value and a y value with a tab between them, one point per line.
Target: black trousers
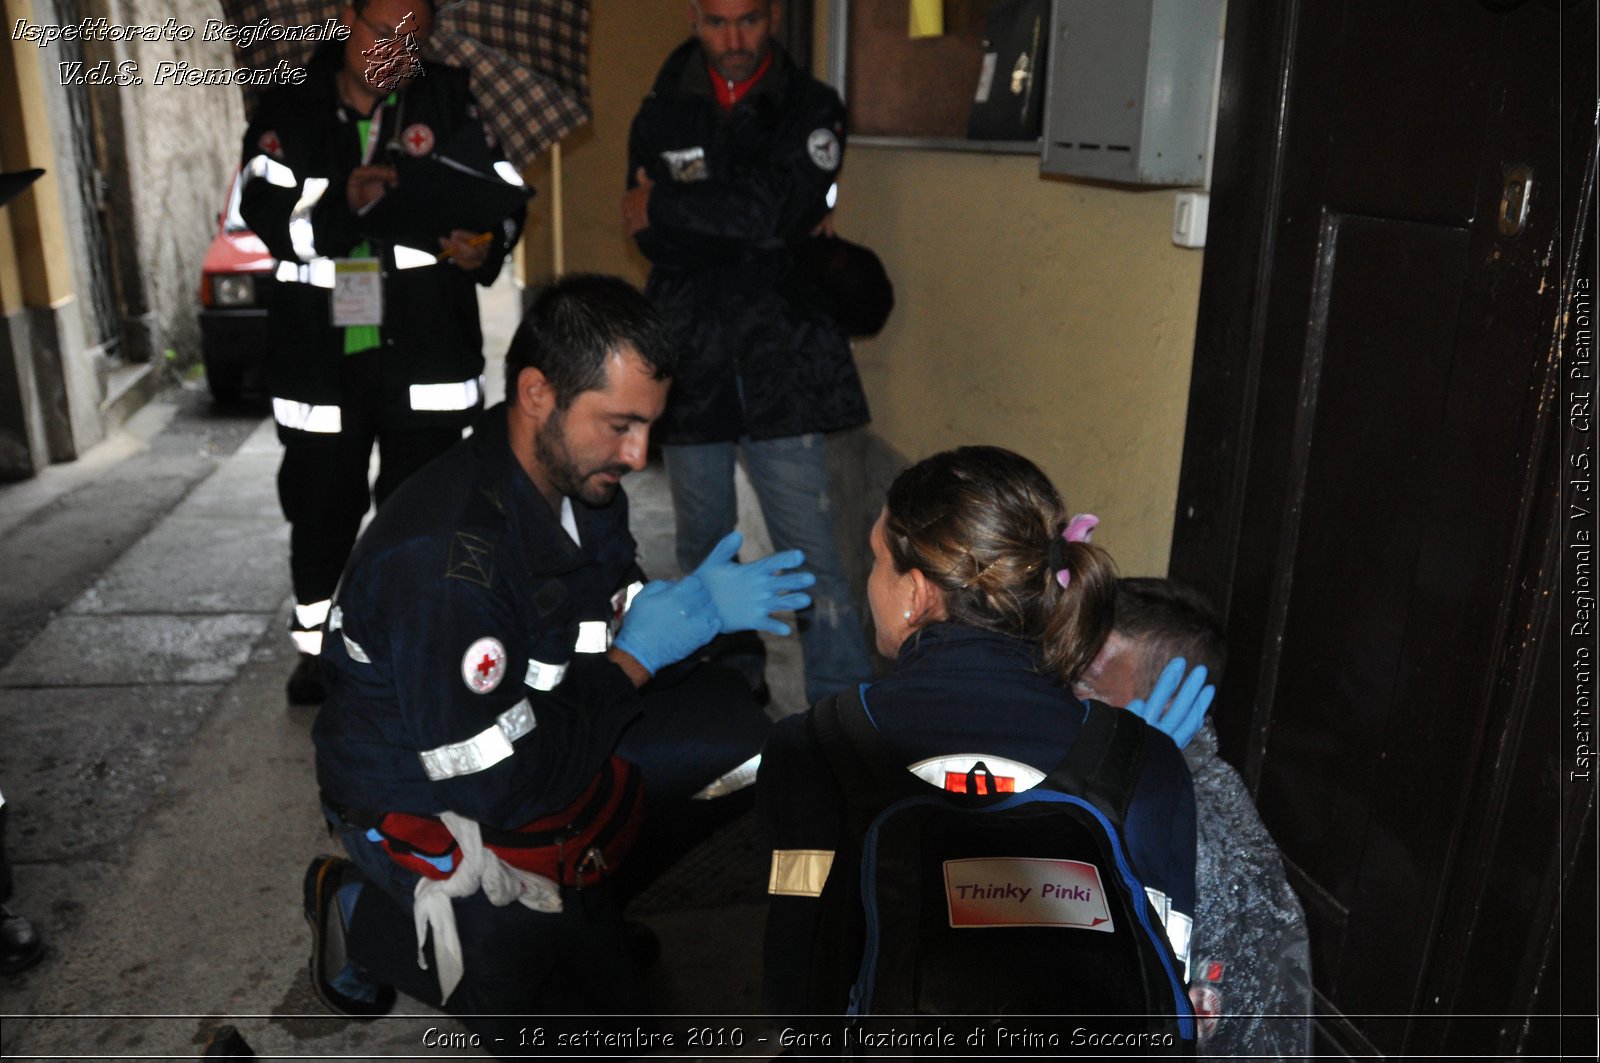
322	482
5	862
521	964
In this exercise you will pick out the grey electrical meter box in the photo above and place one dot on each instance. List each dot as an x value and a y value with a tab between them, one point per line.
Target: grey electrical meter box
1130	87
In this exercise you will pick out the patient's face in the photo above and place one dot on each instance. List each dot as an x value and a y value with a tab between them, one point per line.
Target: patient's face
1113	675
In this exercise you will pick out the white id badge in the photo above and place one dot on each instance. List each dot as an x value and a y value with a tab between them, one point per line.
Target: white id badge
357	292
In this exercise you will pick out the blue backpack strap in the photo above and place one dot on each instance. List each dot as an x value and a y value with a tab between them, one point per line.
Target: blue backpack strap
1103	765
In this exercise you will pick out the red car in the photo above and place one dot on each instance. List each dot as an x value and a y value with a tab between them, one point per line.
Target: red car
235	285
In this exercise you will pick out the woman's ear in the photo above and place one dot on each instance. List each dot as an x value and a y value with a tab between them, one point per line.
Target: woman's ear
927	600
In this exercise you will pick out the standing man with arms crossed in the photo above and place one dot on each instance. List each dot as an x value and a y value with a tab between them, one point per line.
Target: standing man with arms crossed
402	366
485	654
734	156
1251	976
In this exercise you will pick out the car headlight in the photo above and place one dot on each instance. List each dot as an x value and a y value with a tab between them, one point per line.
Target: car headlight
233	289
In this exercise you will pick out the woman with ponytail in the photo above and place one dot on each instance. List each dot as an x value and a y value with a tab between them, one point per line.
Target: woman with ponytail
989	598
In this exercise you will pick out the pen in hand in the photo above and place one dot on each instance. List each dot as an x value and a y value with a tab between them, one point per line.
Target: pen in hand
477	241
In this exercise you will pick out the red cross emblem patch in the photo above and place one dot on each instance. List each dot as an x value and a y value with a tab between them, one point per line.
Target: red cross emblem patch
270	144
484	665
417	140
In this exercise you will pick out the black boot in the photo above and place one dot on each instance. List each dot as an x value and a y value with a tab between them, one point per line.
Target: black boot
20	945
305	686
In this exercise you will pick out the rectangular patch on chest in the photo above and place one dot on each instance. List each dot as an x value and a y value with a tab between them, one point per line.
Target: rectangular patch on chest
1025	891
687	164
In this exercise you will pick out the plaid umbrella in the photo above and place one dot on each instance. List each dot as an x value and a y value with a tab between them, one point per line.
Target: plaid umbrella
529	59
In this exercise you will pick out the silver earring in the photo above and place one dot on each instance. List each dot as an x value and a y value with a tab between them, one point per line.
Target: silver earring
906	614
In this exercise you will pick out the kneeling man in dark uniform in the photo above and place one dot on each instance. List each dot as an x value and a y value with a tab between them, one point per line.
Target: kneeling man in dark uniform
501	692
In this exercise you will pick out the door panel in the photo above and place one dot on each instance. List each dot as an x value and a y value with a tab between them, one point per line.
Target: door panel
1367	480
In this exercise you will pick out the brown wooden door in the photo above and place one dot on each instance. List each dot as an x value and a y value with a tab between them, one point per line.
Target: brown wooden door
1370	487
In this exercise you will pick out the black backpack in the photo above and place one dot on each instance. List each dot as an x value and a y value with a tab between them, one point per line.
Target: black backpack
996	904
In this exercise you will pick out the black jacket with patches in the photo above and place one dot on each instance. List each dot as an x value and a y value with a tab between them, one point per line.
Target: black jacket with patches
467	550
732	192
430	329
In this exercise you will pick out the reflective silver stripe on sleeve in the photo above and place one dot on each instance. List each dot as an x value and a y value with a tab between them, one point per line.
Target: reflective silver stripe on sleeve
461	395
307	418
307	641
542	676
300	231
799	872
319	273
1178	926
351	646
269	169
732	781
483	750
594	636
412	258
312	614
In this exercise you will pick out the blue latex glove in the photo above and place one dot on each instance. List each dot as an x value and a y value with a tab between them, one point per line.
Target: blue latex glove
746	596
1187	711
668	620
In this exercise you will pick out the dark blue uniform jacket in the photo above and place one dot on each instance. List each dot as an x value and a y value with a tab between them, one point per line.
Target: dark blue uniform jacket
954	689
733	190
469	551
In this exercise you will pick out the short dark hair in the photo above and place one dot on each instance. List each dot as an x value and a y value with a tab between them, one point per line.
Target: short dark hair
572	326
1169	620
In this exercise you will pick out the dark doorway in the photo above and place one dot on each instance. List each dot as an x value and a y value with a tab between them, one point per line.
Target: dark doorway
1370	488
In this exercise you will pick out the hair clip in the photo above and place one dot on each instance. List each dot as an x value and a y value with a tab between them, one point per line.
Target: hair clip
1078	530
1080	527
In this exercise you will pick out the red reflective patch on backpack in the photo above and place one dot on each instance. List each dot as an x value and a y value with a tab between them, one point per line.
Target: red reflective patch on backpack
956	782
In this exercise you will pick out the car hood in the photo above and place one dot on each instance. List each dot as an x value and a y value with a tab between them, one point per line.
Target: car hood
237	252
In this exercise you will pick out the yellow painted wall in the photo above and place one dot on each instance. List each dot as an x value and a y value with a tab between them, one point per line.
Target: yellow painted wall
38	267
1050	316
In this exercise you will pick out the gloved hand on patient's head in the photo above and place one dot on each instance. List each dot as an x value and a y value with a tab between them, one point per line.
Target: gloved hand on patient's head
1176	710
746	596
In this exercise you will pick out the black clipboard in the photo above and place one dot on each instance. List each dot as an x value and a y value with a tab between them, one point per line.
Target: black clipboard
435	195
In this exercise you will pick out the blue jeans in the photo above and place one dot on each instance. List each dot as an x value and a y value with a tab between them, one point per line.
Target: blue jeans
790	476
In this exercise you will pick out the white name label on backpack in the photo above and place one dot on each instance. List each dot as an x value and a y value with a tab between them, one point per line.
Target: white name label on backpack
1024	891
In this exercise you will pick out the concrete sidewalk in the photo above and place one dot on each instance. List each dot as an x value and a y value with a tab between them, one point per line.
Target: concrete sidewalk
163	807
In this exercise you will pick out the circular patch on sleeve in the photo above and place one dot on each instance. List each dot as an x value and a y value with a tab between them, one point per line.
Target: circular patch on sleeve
484	665
824	149
417	140
1207	1004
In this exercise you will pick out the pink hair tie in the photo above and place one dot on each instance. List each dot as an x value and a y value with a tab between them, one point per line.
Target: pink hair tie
1078	530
